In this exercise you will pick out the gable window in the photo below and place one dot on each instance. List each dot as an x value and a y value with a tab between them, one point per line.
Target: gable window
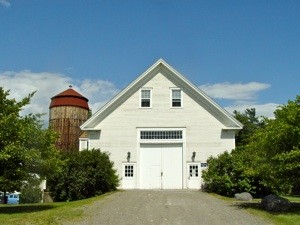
176	98
145	98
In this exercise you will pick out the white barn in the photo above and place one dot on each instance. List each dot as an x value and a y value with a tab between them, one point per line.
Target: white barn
160	130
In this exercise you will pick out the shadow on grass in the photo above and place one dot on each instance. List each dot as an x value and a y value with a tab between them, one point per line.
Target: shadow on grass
12	209
295	207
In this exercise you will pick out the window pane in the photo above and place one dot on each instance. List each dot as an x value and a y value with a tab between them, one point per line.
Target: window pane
194	171
145	103
176	94
145	98
145	93
128	171
176	98
176	102
161	135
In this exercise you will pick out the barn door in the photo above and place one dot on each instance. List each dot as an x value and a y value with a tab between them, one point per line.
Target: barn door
161	166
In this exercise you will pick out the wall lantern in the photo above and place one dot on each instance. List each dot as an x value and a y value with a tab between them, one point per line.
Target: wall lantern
128	156
193	156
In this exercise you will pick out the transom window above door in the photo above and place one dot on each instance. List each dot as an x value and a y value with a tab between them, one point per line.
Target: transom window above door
145	98
176	98
161	135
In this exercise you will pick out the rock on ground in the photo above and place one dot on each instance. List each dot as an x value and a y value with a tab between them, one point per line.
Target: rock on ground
275	203
244	196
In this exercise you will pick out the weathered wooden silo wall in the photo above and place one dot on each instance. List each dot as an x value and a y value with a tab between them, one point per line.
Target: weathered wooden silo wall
66	121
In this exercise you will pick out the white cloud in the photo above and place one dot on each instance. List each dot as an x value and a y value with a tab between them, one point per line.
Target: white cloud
241	96
266	110
236	91
5	3
97	91
48	85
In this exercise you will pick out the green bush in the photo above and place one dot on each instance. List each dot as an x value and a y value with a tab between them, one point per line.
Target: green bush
231	173
31	191
85	174
267	158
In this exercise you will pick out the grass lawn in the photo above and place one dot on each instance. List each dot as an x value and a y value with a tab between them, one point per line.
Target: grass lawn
291	217
44	213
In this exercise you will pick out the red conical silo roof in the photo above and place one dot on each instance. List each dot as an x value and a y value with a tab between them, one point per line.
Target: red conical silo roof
69	97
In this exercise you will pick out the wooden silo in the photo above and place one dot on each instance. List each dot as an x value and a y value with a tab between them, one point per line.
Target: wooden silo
68	110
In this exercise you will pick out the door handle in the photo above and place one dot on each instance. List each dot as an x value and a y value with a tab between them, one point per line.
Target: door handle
161	174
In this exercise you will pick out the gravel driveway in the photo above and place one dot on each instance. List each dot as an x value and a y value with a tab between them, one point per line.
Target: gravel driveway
165	207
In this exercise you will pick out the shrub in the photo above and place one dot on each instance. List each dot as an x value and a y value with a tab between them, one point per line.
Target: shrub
31	191
231	173
85	174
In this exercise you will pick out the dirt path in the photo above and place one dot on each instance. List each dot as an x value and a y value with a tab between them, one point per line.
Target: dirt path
165	208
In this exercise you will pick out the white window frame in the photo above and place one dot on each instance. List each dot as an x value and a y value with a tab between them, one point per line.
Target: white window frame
171	98
195	174
80	143
140	103
161	134
139	129
134	170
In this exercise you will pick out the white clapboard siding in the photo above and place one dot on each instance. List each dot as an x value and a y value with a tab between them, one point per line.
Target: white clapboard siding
208	129
119	129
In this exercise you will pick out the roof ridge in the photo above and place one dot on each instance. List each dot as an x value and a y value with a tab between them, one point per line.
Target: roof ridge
69	93
69	97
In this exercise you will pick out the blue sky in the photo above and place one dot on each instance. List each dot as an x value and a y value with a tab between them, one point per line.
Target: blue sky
241	53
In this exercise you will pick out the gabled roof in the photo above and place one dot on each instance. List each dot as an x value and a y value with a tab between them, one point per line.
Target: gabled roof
69	97
217	111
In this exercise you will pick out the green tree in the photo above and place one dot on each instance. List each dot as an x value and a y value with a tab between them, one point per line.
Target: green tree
266	162
25	148
251	123
86	174
277	147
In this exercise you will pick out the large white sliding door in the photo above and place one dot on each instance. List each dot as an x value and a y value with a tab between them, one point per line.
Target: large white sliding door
161	166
